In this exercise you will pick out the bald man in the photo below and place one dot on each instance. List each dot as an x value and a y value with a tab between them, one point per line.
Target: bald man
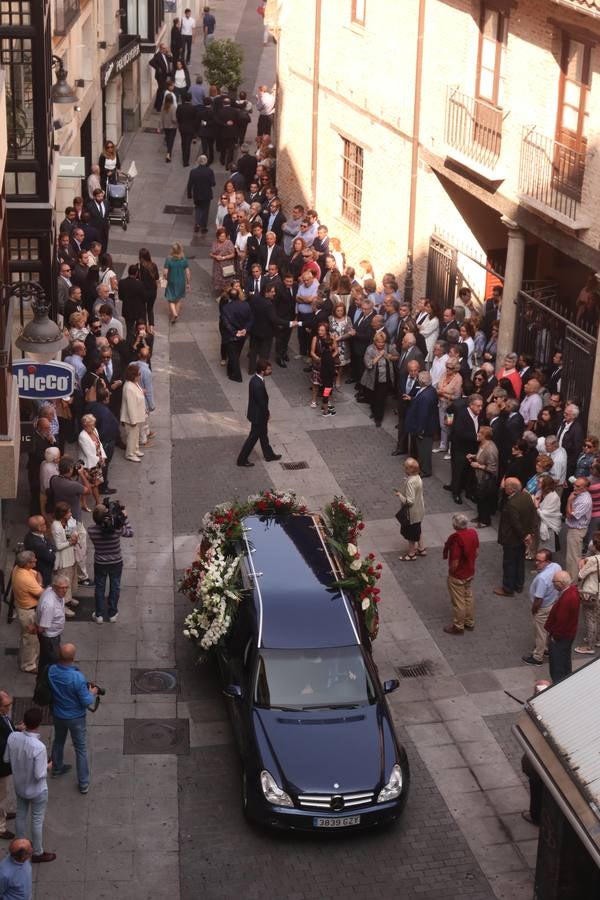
6	728
518	523
38	542
71	697
15	870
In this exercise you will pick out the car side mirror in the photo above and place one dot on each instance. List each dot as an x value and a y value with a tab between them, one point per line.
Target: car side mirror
233	691
389	686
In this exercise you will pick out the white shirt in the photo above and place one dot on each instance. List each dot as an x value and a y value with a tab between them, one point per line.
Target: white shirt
29	762
559	468
188	25
530	407
438	368
474	418
114	323
180	81
50	613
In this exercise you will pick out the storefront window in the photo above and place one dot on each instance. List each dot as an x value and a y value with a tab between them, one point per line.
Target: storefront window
24	248
21	183
15	58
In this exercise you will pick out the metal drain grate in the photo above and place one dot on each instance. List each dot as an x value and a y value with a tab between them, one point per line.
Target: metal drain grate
416	670
156	736
294	466
178	210
153	681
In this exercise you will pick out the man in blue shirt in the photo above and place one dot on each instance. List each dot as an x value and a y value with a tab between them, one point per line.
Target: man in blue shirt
543	596
15	871
71	695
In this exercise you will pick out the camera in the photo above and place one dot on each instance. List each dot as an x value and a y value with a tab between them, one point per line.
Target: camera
101	692
77	466
115	517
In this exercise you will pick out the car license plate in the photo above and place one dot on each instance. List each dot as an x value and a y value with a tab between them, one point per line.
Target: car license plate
338	822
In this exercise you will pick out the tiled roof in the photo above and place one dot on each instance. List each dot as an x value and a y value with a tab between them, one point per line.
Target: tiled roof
587	7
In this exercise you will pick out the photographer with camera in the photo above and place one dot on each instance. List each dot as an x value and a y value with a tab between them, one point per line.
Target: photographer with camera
71	695
71	486
105	535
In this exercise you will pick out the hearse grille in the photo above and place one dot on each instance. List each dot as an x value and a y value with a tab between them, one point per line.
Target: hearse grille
336	802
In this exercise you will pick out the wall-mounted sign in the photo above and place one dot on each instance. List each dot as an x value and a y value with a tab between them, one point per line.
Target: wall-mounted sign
71	167
43	381
127	54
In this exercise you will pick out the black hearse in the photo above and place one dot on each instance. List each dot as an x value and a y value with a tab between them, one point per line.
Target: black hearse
310	717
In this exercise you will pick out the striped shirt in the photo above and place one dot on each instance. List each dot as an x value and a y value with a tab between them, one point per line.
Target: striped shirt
594	490
107	546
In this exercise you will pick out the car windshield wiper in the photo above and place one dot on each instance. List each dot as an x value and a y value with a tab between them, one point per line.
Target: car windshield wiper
332	706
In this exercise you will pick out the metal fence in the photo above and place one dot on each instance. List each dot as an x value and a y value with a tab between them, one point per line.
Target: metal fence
551	173
473	127
544	327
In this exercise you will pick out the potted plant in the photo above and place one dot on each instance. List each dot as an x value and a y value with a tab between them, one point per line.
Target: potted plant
223	64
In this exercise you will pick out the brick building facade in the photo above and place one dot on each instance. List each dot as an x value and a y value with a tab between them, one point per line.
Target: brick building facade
455	142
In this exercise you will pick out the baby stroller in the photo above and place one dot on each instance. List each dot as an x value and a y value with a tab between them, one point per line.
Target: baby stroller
118	200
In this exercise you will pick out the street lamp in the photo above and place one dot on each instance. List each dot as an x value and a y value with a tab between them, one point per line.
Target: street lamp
61	91
41	339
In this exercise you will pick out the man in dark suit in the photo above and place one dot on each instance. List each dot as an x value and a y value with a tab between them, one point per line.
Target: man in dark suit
408	351
274	220
162	63
62	286
133	297
421	422
6	728
255	281
65	252
246	166
40	441
98	210
199	188
362	338
187	122
321	245
518	524
271	252
491	310
463	436
407	387
490	381
285	307
266	323
510	431
258	416
37	541
91	235
555	373
571	436
206	129
227	119
449	323
67	224
255	243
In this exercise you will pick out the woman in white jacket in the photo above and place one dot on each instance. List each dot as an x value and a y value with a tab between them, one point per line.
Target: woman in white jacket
92	454
65	538
428	324
133	411
589	588
547	502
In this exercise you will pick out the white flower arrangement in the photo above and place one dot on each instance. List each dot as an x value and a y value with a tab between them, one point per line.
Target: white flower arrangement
218	594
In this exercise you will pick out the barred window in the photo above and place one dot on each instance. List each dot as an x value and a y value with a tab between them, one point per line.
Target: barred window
15	12
16	60
352	181
24	248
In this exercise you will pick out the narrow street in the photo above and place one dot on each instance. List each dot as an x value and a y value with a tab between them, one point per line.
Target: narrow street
163	819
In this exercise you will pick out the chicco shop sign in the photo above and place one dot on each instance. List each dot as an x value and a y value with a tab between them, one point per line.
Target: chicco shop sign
43	381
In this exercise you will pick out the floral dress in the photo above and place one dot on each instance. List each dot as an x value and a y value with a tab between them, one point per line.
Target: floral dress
220	282
338	328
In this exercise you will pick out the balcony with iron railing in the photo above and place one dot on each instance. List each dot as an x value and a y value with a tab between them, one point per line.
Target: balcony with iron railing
473	133
64	13
551	177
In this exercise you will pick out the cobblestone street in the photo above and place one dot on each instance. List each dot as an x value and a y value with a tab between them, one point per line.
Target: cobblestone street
164	822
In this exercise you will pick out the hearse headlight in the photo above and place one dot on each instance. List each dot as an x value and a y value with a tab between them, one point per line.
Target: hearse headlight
273	793
393	788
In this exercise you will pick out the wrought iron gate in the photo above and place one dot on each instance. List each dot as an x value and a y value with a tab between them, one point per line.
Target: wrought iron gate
542	328
441	273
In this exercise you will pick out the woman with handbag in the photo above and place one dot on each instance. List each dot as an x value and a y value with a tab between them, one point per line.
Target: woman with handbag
92	453
485	464
222	254
412	511
176	279
589	588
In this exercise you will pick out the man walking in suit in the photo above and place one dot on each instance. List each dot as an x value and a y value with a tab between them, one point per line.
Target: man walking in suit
199	187
407	387
465	428
98	210
266	323
258	416
162	63
422	421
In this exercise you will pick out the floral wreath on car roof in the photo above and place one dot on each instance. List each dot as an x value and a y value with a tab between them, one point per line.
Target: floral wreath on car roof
213	583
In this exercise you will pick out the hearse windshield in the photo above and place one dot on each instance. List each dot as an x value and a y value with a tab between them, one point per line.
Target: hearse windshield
331	678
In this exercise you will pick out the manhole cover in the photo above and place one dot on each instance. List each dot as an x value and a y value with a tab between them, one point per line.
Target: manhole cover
153	681
417	670
178	210
156	736
20	704
11	651
292	466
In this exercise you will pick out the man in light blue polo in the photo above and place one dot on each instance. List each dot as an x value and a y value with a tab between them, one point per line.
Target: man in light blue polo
543	596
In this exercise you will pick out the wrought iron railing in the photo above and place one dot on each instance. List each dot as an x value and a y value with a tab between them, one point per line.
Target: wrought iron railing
474	127
551	173
64	13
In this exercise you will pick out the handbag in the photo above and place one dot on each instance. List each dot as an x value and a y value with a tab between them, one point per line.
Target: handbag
486	486
228	271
